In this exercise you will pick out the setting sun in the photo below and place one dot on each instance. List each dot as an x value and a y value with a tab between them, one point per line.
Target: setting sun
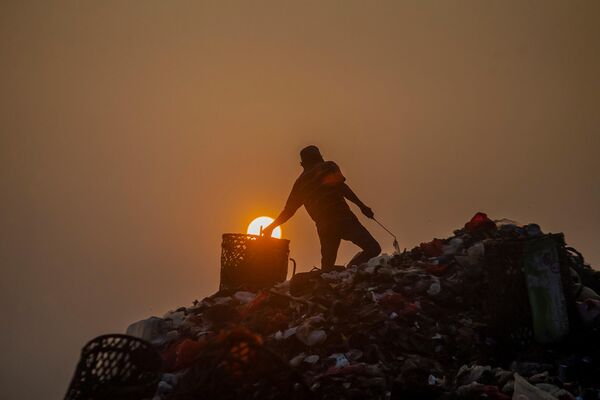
261	222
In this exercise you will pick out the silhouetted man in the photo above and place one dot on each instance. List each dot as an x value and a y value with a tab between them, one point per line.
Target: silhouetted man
321	188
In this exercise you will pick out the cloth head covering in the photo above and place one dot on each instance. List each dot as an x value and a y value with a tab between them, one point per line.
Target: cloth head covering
310	154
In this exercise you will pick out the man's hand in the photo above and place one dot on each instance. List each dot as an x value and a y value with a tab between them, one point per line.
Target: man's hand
367	211
267	230
350	195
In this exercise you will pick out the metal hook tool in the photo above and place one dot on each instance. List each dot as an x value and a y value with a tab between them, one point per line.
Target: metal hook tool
395	244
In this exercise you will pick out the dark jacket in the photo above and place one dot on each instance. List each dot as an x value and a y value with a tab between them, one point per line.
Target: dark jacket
318	189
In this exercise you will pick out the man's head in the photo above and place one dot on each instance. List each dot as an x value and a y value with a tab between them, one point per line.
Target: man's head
310	156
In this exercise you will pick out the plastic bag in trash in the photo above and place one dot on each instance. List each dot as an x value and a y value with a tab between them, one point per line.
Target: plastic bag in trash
526	391
152	329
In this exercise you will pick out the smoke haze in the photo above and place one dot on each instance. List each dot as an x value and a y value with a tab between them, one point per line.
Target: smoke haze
133	134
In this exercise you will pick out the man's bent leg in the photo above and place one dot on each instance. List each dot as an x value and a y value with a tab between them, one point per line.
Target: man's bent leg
360	236
330	243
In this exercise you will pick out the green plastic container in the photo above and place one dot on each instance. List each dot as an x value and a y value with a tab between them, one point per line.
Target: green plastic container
541	266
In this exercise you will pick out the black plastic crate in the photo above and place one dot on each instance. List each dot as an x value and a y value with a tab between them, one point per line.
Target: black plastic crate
507	300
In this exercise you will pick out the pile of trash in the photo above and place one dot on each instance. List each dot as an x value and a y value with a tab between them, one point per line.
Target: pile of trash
443	320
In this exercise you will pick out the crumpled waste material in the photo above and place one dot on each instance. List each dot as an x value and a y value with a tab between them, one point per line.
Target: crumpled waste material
411	325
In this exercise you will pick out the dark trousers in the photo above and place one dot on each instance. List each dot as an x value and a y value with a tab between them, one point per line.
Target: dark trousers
331	235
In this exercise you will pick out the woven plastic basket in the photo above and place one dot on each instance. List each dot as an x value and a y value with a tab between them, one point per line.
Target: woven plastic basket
116	367
253	261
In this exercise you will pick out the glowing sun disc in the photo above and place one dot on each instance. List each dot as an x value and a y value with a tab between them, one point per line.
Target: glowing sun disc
261	222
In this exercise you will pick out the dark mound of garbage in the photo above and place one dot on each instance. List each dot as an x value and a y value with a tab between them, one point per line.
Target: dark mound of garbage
496	311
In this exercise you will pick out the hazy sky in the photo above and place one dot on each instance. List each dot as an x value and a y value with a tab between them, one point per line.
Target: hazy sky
133	134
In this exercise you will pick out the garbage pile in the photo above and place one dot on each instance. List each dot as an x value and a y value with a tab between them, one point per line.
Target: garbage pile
433	322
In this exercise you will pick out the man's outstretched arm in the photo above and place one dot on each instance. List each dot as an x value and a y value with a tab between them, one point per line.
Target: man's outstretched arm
294	202
350	195
282	218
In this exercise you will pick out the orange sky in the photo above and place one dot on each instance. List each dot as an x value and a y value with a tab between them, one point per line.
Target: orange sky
133	134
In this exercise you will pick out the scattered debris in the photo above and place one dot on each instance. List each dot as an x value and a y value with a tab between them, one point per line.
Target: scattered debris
495	311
